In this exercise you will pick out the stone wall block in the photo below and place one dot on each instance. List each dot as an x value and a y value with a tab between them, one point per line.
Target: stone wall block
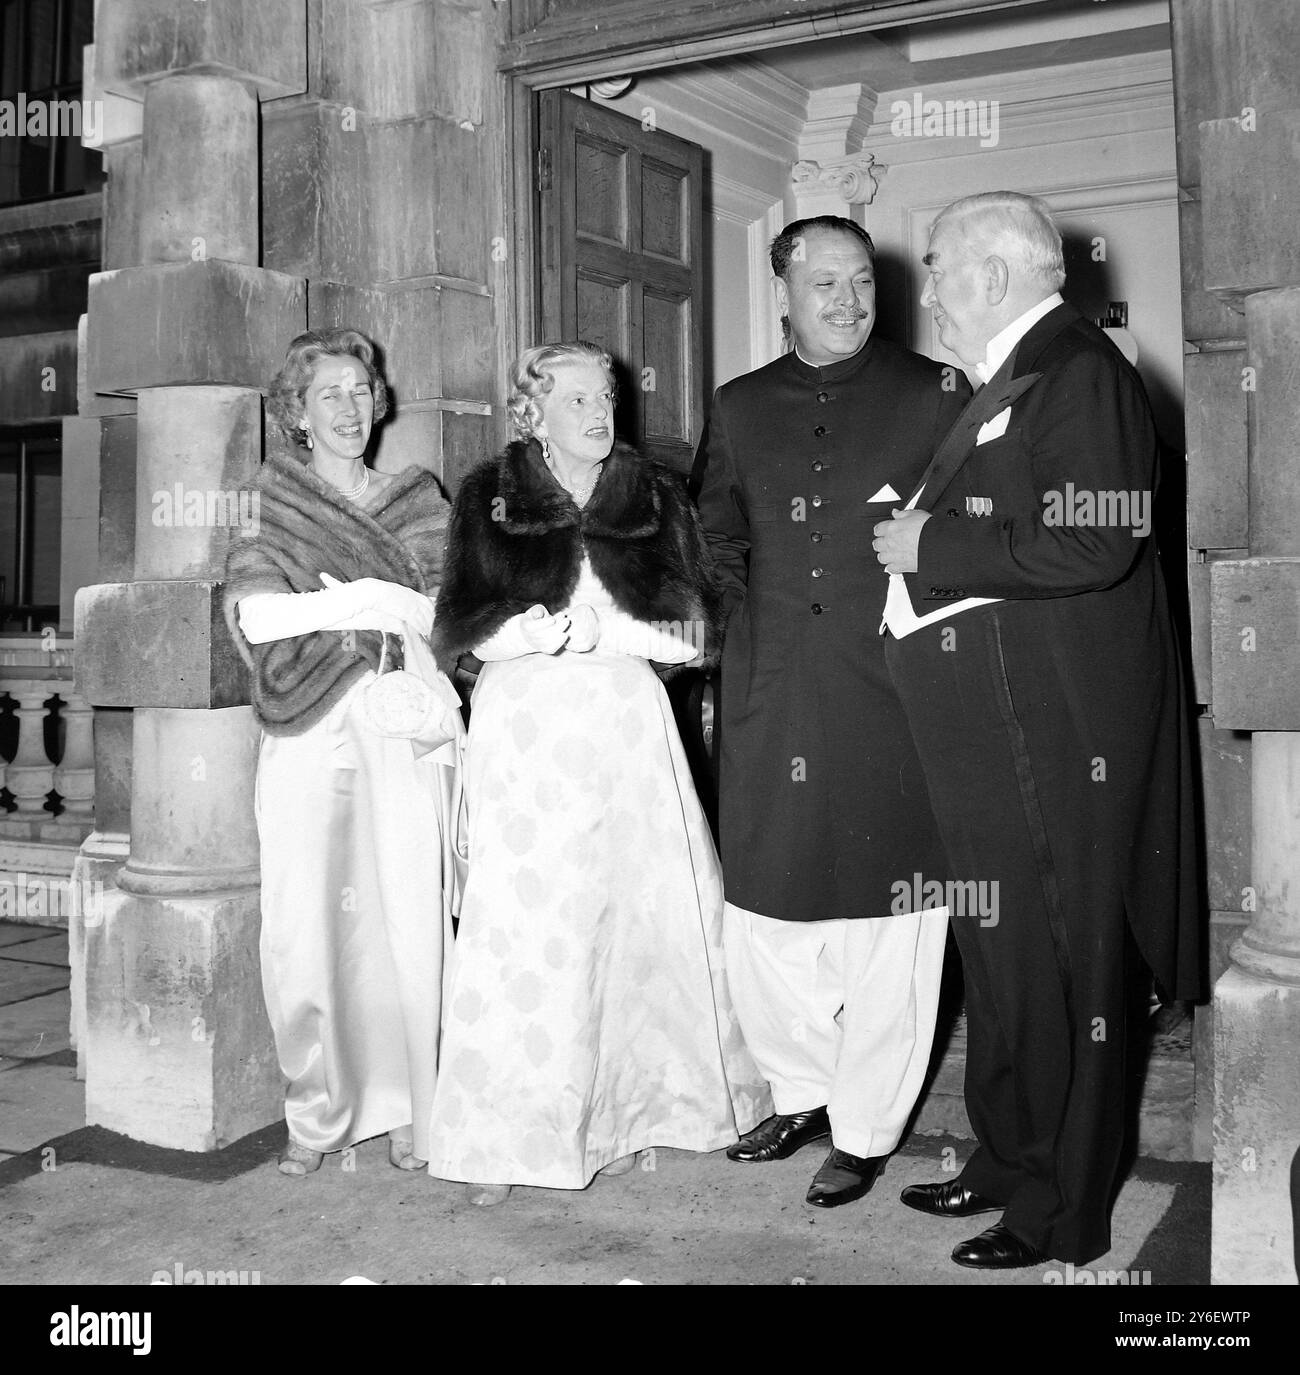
124	165
468	437
1204	316
1273	328
178	324
199	188
1257	1106
199	449
442	228
1250	198
91	404
437	341
291	188
1226	789
79	544
1255	643
117	484
262	42
1229	56
405	324
411	436
178	1048
394	61
38	376
157	644
1225	929
1218	512
348	251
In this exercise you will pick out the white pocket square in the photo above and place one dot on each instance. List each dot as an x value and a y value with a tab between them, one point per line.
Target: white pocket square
995	428
886	493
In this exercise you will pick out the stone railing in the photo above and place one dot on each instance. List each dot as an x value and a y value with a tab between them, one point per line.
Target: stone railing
40	833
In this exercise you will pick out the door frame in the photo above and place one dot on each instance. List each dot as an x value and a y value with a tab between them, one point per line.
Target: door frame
543	56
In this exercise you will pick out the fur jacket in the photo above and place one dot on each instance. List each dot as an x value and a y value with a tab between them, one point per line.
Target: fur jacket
305	528
517	538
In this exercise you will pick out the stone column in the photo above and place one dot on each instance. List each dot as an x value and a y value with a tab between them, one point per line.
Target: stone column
1238	91
176	1046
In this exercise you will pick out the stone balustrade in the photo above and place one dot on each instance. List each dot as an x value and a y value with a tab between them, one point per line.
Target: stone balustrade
50	786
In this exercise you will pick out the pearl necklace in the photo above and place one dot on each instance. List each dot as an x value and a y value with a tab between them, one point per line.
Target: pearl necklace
353	493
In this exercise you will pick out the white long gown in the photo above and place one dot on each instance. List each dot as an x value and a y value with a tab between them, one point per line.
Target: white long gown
355	923
587	1014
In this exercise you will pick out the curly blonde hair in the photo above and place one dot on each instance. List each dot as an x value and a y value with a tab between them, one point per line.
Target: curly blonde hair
532	377
284	398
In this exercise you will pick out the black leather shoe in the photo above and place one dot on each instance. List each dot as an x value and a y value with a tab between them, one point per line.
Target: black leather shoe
781	1136
950	1199
997	1249
842	1178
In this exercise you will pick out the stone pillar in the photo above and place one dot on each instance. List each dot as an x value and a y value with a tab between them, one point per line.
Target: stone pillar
383	190
176	1046
1237	78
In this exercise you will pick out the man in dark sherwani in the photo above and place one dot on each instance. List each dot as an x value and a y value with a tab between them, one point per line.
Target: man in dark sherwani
824	822
1032	643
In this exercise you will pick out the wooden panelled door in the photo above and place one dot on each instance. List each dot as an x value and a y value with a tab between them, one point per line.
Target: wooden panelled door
620	262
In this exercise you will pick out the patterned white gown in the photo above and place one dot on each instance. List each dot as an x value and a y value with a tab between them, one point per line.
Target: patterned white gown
587	1014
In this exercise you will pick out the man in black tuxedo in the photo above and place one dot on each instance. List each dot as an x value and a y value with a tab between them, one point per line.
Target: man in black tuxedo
824	817
1031	642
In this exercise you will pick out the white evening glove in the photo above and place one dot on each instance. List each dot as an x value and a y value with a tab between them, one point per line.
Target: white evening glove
669	642
584	629
265	616
374	595
534	631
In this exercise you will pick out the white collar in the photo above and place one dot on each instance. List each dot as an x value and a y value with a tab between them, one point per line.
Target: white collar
998	349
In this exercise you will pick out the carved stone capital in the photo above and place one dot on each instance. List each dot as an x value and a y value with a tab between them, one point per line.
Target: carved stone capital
855	179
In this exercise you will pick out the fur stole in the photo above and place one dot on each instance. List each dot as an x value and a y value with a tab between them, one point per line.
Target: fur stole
305	528
517	538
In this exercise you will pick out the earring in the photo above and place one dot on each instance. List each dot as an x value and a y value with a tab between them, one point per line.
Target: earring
307	432
546	448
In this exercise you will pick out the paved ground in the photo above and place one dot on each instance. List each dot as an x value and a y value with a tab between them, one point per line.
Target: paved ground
81	1205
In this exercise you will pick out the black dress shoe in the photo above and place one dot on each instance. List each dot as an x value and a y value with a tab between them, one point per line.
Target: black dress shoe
842	1178
781	1136
950	1199
997	1249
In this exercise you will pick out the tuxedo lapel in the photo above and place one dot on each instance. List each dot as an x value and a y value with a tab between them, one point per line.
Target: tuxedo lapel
999	392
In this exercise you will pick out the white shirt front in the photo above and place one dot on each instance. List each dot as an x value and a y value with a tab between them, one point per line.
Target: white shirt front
900	616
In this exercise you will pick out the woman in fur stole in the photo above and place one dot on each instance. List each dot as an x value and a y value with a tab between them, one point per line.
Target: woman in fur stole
344	561
587	1012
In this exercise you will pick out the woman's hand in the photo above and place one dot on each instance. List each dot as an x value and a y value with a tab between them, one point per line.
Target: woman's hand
542	632
584	629
374	604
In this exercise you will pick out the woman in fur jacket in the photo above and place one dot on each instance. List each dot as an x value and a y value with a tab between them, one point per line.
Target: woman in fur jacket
332	585
587	1013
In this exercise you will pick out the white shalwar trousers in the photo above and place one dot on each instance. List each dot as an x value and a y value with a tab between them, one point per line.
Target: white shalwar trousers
840	1012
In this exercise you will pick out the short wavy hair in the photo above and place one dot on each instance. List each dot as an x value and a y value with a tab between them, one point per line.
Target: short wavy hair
1012	226
782	250
532	377
284	399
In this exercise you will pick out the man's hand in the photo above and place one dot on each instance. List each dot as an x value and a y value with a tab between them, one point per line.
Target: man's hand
897	540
